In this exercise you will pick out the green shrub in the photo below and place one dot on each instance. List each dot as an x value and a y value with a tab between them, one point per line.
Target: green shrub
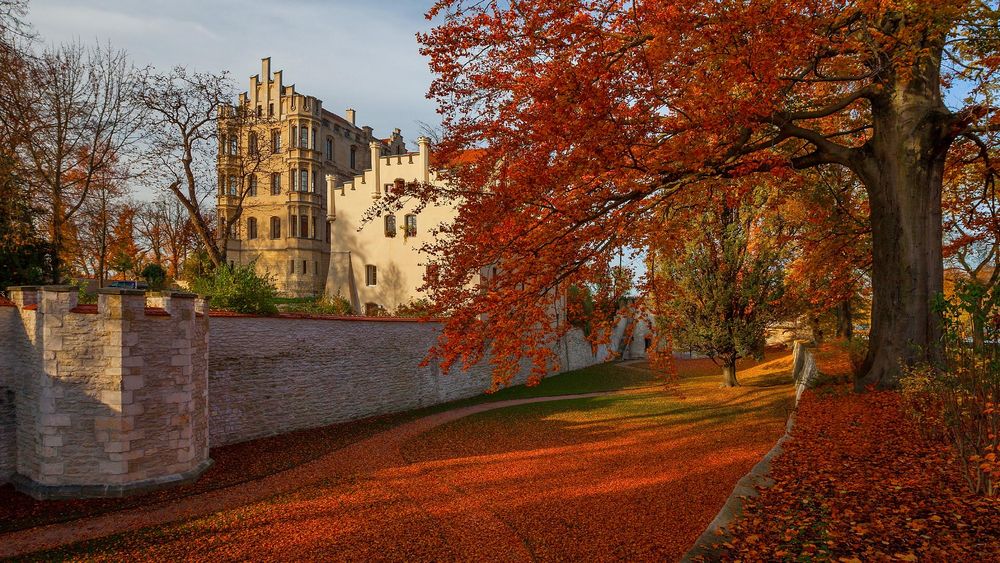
325	305
240	289
414	308
155	276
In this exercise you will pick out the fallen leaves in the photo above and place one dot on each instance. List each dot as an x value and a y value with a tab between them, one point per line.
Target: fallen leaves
858	481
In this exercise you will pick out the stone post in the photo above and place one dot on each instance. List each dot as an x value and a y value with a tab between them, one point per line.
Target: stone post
23	295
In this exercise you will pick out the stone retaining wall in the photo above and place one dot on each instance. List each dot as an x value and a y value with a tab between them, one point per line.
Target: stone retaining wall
126	395
271	375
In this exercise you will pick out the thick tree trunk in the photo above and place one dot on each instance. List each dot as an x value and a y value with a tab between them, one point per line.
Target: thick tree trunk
845	320
729	374
902	167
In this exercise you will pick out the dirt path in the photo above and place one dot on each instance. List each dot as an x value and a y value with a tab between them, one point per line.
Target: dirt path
381	453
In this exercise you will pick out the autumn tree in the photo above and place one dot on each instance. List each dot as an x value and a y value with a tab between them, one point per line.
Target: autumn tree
95	226
829	239
590	115
721	286
166	232
71	115
193	124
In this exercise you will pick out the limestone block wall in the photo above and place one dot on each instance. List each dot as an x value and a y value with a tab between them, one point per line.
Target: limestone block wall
109	398
273	375
9	321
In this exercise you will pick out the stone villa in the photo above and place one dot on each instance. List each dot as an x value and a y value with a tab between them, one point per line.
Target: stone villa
303	201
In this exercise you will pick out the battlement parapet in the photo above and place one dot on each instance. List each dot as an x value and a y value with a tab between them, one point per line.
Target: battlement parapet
109	398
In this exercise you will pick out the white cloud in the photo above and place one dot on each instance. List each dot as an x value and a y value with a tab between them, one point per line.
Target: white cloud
349	54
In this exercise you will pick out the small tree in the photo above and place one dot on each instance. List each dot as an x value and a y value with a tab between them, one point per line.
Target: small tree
723	283
155	275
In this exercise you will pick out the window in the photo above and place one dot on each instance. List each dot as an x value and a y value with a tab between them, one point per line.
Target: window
234	146
270	109
328	230
411	225
294	136
276	140
234	186
303	137
304	228
371	274
252	228
315	267
276	183
295	225
291	266
252	143
354	157
260	110
304	269
315	182
329	148
252	188
312	145
315	233
275	227
303	180
390	225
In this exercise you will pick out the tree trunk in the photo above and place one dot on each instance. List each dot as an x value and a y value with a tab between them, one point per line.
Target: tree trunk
845	320
901	167
729	374
816	329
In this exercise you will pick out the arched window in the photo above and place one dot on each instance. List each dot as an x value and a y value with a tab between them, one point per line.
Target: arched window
276	183
275	227
411	225
390	225
252	228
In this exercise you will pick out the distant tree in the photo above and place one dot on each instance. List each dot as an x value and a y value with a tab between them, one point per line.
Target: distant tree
24	256
94	226
722	286
70	116
166	233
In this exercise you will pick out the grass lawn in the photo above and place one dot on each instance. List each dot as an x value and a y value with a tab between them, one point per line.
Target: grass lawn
636	475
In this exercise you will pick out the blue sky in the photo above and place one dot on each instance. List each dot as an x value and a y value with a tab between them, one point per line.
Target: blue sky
358	54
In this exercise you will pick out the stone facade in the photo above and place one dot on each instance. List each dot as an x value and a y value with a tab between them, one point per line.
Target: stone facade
276	181
109	399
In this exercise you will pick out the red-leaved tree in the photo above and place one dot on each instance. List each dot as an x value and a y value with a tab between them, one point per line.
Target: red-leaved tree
589	115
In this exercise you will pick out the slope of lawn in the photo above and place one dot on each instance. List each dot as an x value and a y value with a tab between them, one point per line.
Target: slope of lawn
636	475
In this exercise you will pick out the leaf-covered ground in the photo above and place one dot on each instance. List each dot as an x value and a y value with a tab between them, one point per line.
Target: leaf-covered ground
857	482
635	475
240	463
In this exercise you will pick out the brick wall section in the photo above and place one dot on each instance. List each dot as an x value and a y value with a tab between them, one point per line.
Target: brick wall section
273	375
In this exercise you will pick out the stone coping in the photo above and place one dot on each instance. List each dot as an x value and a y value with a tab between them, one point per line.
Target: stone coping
321	317
120	291
69	492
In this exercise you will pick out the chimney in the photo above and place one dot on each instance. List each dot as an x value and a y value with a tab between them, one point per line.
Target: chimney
425	158
349	114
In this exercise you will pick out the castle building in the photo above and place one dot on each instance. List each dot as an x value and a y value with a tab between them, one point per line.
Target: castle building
300	179
272	164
